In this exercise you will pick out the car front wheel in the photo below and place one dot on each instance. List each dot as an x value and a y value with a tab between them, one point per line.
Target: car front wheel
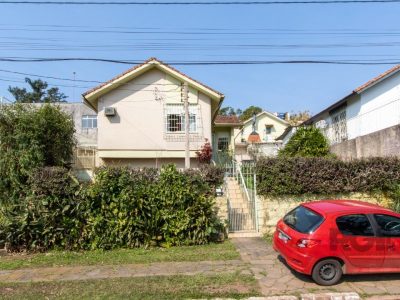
327	272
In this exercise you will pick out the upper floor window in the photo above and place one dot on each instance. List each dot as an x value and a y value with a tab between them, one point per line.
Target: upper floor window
175	118
89	121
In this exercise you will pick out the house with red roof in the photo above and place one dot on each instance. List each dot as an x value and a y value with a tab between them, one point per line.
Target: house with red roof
141	117
366	122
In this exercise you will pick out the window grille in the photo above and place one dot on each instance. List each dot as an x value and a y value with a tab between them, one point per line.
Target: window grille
175	118
339	126
223	144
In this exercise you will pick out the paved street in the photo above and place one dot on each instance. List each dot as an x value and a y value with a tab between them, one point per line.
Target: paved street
276	278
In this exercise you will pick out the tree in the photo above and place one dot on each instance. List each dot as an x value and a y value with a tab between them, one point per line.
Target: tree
248	112
39	94
299	117
306	142
227	111
30	138
230	111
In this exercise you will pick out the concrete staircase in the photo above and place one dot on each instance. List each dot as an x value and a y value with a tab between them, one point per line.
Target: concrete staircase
241	215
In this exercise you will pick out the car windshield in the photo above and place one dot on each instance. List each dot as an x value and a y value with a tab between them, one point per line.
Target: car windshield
303	220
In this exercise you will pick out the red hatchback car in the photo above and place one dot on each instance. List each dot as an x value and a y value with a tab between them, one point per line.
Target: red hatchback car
326	239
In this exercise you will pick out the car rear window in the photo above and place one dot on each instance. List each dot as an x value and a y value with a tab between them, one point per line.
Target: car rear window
303	220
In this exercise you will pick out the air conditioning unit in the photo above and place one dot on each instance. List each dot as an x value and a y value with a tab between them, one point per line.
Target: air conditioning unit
321	124
109	111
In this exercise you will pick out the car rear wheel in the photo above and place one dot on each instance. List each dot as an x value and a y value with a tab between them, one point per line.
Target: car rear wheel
327	272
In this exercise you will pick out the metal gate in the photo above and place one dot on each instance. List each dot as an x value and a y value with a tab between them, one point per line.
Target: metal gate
240	189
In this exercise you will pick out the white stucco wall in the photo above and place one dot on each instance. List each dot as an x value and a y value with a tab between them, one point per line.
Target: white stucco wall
140	122
375	109
379	106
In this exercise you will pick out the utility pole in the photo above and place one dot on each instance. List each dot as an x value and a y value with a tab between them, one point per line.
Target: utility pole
185	96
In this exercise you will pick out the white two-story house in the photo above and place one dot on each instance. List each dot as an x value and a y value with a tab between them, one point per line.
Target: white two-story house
141	118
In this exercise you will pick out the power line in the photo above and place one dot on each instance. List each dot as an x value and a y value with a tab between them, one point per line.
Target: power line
205	63
79	80
197	3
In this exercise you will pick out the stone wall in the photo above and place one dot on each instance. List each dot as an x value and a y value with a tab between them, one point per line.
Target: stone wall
381	143
222	208
271	209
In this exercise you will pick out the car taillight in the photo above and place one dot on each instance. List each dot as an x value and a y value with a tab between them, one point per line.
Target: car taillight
307	243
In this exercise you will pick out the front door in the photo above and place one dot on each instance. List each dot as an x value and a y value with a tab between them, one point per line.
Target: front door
389	231
358	242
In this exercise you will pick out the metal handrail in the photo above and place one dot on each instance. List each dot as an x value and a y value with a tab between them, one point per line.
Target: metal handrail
243	183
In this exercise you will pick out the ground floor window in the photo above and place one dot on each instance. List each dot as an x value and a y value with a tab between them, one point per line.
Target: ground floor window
223	144
339	127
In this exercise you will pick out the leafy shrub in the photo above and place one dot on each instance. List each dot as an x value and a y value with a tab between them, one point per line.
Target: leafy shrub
122	208
394	194
295	176
131	208
30	138
204	155
306	142
49	216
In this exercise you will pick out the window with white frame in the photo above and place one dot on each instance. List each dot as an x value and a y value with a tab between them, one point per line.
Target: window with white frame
89	121
175	118
339	127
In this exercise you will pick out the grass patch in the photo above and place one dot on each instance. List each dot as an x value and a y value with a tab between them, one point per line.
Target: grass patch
222	251
160	287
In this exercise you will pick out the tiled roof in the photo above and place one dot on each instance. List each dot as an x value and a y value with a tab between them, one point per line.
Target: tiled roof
152	59
377	78
356	91
227	120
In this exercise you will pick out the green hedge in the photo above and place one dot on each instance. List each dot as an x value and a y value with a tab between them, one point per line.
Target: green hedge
122	208
296	176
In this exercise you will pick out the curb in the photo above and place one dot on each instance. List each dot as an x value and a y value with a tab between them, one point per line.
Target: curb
324	296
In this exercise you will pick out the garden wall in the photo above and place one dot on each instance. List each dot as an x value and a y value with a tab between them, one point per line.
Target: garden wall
272	208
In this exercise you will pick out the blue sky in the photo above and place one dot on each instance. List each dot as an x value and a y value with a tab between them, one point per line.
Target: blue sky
193	33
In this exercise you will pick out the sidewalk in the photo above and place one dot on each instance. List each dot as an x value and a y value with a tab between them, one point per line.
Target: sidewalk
119	271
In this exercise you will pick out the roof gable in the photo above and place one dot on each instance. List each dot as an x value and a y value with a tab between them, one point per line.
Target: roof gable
272	116
93	94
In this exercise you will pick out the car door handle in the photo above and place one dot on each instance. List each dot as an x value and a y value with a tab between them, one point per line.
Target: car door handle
346	246
391	247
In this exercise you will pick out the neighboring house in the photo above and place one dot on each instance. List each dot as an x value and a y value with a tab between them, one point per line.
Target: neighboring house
268	125
366	122
85	120
141	120
225	130
234	137
262	132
